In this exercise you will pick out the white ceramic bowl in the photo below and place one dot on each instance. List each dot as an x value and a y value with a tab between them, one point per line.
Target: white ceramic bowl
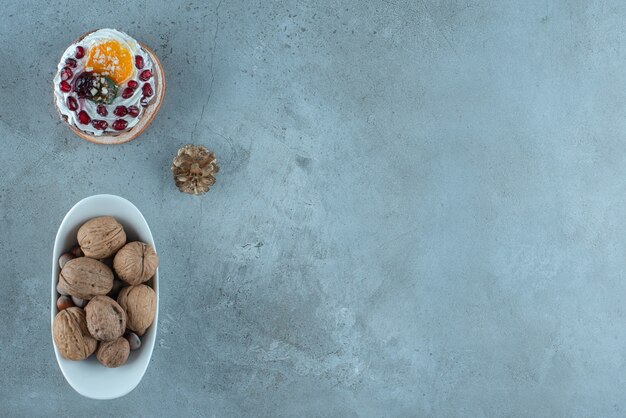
89	377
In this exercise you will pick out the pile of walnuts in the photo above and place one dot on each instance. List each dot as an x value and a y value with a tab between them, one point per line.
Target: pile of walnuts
105	304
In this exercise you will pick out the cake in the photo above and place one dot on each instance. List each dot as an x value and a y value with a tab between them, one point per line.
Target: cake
108	86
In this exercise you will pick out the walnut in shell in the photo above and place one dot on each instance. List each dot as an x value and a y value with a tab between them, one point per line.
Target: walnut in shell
113	353
139	303
106	320
71	335
85	278
136	262
101	237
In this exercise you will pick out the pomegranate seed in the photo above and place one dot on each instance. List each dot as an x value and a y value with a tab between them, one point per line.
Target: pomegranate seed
120	111
144	101
80	52
83	85
127	92
145	75
83	117
65	86
133	84
70	62
139	61
99	124
102	110
147	90
66	73
133	111
120	125
72	104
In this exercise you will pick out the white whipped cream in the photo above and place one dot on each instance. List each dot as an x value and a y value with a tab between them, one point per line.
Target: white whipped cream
88	106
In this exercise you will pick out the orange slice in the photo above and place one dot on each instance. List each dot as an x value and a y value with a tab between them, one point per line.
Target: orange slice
112	59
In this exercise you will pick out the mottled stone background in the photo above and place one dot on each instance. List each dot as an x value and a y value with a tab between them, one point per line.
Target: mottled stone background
421	208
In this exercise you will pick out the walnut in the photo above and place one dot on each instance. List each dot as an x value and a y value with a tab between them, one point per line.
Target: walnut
139	303
71	335
85	278
106	320
113	353
101	237
136	262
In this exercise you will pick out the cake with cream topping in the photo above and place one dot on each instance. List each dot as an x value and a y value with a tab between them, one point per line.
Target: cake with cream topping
108	86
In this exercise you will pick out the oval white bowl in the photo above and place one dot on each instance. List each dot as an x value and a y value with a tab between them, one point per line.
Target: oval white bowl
89	377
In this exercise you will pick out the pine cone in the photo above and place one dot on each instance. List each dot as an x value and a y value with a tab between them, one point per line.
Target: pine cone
194	169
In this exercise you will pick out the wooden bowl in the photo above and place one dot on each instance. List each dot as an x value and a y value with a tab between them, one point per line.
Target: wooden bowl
149	112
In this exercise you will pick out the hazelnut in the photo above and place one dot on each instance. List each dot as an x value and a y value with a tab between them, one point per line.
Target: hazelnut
77	252
85	278
106	319
79	302
64	302
136	262
71	336
113	353
133	340
65	258
139	303
101	237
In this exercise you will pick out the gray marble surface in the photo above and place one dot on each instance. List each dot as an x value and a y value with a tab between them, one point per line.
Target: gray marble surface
420	210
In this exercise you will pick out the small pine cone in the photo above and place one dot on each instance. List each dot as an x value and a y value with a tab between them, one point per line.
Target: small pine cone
194	169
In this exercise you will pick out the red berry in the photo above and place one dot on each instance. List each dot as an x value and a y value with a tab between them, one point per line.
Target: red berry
99	124
66	73
102	110
139	61
120	125
147	90
133	111
145	75
85	84
70	62
120	111
80	52
72	104
65	86
133	84
83	117
127	92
